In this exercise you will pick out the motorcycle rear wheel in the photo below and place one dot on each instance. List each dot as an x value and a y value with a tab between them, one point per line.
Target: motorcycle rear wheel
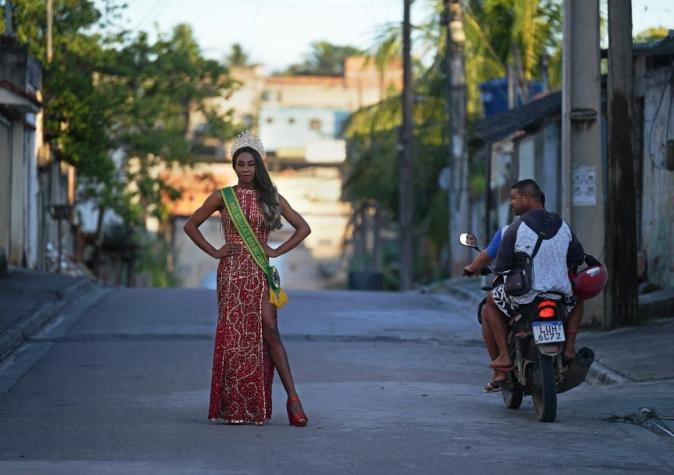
545	394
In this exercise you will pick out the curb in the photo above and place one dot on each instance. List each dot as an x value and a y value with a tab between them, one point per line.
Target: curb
460	292
656	305
465	295
600	375
15	336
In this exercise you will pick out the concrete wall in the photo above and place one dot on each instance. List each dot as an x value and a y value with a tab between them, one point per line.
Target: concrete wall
549	167
191	265
537	156
502	158
657	218
19	191
244	101
5	181
18	195
31	210
21	77
291	127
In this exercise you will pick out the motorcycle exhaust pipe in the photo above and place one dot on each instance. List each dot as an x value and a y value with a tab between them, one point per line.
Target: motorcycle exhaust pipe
577	370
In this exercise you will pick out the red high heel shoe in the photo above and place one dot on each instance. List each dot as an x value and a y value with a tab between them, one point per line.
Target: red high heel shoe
297	420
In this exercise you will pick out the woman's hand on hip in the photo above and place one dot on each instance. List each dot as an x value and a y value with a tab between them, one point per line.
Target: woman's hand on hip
227	250
270	252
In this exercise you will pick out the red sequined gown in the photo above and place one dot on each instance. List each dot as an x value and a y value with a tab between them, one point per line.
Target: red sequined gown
242	368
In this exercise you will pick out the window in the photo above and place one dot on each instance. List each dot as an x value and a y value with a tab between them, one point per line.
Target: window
271	96
315	124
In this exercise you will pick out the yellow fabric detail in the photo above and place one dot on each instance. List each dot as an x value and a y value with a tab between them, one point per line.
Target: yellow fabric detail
278	298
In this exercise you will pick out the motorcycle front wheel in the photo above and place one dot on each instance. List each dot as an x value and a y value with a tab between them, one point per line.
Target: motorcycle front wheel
544	391
513	397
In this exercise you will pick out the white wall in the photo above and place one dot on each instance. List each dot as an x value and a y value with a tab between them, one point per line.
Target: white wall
5	176
657	219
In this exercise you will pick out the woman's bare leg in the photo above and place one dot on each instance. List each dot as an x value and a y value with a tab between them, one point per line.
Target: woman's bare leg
277	351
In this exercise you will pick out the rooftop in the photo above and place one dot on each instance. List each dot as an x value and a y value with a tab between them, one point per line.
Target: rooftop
523	117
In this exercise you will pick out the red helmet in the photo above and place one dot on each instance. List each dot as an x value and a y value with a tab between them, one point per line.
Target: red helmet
589	282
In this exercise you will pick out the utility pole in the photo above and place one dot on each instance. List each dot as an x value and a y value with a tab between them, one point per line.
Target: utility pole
50	29
620	297
407	160
459	211
582	168
9	25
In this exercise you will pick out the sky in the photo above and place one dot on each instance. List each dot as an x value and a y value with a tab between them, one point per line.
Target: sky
277	33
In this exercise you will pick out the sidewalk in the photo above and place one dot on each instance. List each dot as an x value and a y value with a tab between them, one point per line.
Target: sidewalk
29	299
639	353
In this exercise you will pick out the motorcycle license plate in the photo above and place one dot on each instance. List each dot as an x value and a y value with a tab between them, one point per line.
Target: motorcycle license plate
548	332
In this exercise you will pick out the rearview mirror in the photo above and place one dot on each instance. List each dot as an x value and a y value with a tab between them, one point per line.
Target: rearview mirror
468	240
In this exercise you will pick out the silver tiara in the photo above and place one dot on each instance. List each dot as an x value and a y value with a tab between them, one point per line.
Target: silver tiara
247	139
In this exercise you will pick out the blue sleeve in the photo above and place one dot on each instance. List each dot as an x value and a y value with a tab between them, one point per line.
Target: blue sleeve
505	256
492	248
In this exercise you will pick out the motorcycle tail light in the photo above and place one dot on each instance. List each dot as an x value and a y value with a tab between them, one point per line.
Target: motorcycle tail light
547	312
547	303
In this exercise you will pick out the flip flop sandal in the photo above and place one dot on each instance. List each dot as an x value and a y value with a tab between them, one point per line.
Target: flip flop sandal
494	386
505	369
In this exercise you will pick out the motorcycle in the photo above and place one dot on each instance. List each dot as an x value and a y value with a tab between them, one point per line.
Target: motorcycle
536	336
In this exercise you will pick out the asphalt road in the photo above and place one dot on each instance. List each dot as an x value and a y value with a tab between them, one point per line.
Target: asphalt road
392	383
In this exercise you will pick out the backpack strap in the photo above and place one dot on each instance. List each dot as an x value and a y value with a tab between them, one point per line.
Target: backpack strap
537	247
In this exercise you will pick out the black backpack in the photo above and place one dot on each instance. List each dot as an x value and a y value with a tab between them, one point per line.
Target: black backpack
519	279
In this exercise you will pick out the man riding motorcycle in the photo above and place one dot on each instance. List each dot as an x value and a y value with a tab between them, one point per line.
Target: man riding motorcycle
555	248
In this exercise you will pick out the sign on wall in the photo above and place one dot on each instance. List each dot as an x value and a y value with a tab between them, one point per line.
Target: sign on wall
584	185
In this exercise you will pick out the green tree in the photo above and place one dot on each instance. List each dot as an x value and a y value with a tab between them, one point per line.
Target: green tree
520	33
652	34
237	56
323	59
118	106
156	87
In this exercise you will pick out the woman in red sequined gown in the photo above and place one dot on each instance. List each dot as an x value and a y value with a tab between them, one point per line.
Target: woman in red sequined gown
247	343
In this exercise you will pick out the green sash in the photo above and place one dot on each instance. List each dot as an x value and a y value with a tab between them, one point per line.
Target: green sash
277	296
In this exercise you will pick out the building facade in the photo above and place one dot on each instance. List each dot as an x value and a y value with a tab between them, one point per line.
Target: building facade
299	119
20	194
525	143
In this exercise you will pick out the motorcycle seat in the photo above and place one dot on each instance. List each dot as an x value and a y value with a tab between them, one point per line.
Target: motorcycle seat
551	295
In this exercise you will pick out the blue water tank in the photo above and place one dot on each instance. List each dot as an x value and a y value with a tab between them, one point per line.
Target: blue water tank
494	95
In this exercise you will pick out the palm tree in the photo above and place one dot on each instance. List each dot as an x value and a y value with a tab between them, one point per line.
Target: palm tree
237	56
501	36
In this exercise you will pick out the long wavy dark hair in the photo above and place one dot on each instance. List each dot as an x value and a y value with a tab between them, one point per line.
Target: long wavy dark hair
267	194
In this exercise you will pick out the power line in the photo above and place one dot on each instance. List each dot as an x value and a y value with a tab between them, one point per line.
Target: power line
647	7
156	8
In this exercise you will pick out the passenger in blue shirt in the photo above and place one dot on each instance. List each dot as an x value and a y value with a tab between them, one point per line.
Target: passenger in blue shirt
492	248
488	254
